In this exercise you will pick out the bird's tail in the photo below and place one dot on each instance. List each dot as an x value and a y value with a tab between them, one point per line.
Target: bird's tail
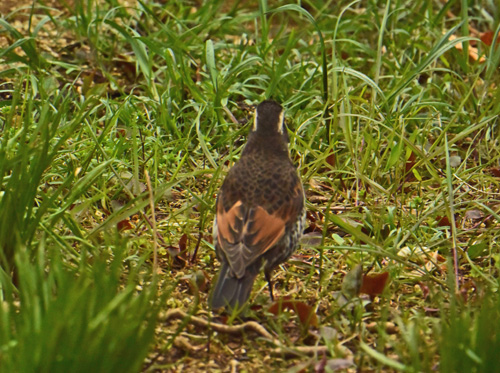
232	291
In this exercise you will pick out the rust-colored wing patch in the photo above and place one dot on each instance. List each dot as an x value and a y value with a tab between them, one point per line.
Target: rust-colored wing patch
245	234
263	230
229	223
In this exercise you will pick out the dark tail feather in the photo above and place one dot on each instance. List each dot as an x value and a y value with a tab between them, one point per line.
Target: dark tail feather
231	291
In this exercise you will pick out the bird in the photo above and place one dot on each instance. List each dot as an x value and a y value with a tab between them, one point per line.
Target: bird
260	210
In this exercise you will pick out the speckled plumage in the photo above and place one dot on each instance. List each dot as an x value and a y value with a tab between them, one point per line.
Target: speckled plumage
260	210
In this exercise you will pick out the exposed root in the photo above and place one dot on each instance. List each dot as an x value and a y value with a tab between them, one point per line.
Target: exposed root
253	326
220	328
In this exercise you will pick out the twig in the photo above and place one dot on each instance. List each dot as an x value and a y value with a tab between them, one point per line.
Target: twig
158	235
195	252
155	231
221	328
230	115
300	350
281	349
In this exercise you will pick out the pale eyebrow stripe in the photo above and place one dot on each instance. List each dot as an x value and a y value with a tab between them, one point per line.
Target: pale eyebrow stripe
280	122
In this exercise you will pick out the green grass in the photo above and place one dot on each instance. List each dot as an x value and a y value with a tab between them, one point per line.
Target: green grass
394	130
63	320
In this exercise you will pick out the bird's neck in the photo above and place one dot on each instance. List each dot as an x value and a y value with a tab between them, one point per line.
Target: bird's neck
274	145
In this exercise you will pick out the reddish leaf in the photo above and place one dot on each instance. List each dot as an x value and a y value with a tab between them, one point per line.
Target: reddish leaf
183	242
425	290
495	171
320	366
311	228
306	313
256	307
443	221
315	221
374	284
331	159
124	225
121	132
439	258
311	216
223	318
487	37
178	260
410	163
105	211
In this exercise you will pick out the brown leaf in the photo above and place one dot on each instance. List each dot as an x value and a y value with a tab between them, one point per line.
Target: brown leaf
425	289
374	284
495	171
331	159
315	221
124	225
487	37
473	51
410	163
178	260
311	239
173	251
311	216
443	221
183	242
473	214
197	281
339	364
320	366
121	132
306	313
312	228
209	239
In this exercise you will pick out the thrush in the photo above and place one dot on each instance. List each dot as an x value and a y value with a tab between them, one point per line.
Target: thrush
260	210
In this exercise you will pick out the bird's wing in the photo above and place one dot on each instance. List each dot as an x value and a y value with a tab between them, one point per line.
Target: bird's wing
246	232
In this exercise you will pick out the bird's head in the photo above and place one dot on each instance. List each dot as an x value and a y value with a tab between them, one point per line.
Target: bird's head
269	120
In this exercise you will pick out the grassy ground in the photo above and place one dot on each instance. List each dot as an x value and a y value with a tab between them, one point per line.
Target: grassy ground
109	107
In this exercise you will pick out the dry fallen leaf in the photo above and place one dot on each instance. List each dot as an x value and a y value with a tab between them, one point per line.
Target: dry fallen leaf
495	171
487	37
473	51
374	284
352	282
124	225
443	221
183	242
306	313
331	159
311	239
474	214
197	281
